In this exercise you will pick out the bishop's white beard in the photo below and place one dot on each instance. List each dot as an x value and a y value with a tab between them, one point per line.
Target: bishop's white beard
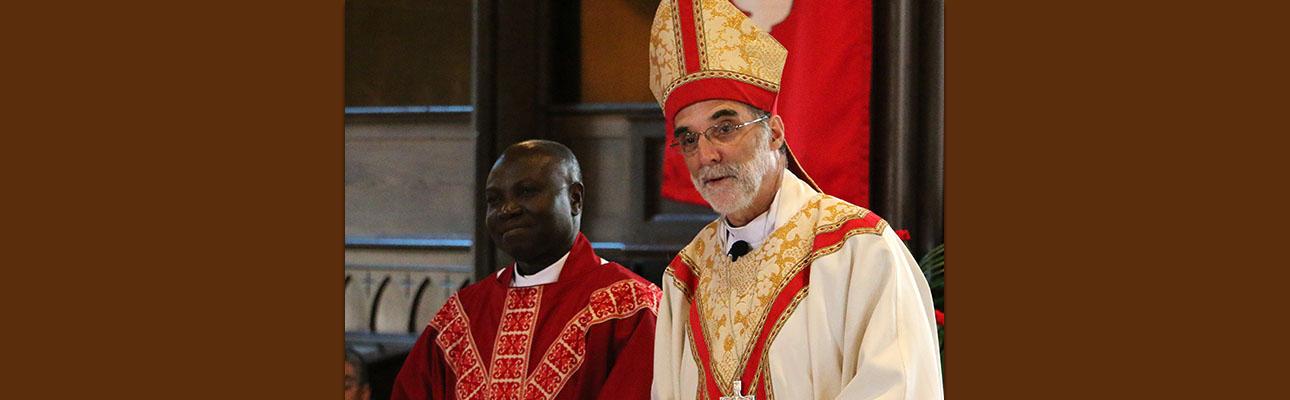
746	176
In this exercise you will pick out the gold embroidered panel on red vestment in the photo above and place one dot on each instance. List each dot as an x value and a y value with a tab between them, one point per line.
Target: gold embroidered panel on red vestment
515	336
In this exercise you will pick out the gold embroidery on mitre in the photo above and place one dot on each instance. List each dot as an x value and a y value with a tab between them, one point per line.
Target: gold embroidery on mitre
734	298
666	54
764	84
729	46
699	16
733	43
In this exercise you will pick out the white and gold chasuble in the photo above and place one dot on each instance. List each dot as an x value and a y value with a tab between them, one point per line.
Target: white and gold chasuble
831	305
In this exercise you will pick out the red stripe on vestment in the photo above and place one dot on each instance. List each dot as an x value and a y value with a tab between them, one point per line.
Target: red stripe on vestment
777	310
801	280
826	239
685	277
689	40
701	348
681	271
763	384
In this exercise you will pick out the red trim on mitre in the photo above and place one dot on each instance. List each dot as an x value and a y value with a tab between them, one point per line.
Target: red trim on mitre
712	89
689	42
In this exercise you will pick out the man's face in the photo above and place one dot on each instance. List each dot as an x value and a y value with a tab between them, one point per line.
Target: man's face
529	208
727	175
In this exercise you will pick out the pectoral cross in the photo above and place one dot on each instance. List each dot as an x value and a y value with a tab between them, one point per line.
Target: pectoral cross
738	393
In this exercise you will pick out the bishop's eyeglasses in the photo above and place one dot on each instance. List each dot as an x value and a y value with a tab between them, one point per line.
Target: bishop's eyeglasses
721	132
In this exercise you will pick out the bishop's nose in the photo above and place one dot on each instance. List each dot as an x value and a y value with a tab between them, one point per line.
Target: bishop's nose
707	152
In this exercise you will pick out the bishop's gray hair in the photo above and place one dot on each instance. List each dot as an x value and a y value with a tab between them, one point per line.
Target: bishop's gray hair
758	113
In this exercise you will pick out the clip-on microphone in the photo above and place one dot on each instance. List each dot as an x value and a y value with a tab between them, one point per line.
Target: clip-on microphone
739	249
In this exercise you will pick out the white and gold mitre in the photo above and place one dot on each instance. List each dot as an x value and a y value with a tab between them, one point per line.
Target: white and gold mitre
708	49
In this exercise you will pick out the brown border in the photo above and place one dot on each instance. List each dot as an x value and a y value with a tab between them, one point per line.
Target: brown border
1105	237
177	200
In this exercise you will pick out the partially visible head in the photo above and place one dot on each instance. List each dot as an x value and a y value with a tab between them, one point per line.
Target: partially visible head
356	385
729	175
533	197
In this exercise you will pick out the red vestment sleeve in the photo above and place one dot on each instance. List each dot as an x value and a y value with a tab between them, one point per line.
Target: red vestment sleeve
424	374
632	348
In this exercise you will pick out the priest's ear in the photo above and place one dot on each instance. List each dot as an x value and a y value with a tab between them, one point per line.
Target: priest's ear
575	197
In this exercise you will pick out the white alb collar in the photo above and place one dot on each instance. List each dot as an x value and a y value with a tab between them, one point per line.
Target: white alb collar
550	274
547	275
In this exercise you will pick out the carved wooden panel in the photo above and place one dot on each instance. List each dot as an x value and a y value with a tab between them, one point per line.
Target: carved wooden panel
398	300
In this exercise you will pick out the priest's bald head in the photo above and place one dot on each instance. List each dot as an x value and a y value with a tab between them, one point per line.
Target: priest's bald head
534	202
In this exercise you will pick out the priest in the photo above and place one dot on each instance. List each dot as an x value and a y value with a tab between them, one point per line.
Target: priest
791	293
559	323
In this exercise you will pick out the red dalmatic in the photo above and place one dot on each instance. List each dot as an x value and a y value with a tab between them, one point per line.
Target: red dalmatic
589	335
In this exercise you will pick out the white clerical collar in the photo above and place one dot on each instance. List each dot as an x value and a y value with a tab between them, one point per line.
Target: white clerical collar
547	275
550	274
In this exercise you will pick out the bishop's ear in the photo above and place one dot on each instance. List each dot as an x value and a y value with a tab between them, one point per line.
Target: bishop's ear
575	198
776	132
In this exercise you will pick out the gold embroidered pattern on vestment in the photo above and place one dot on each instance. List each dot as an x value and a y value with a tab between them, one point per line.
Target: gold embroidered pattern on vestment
734	298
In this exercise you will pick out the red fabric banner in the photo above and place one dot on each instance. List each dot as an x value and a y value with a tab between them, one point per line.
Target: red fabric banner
824	95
